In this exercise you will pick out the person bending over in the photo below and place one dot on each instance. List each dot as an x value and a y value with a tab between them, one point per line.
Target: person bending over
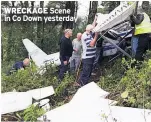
20	65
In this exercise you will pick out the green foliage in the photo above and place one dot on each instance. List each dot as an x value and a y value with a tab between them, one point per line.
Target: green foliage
138	83
129	86
67	81
109	5
44	35
32	113
92	11
111	76
24	80
101	10
124	94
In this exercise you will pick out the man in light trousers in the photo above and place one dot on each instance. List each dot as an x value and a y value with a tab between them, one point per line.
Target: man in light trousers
76	55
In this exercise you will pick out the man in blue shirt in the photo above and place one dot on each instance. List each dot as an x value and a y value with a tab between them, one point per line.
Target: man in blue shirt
89	53
19	65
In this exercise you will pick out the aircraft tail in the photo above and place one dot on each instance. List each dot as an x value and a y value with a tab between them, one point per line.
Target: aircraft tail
35	52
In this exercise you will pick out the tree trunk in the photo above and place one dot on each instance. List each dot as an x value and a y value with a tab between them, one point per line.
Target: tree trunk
69	24
21	2
32	23
42	40
26	4
40	29
92	11
10	41
75	13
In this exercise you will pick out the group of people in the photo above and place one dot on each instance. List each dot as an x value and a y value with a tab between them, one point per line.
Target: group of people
83	48
86	44
87	48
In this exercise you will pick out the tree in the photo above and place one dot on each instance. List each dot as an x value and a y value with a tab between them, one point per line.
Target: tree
10	43
110	5
92	11
73	9
4	4
101	10
44	35
40	29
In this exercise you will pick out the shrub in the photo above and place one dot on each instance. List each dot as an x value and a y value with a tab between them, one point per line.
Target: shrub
32	113
111	76
24	80
137	83
129	86
62	87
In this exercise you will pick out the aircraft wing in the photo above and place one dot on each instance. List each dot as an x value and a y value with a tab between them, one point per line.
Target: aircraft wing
84	106
118	15
15	101
89	105
35	52
41	93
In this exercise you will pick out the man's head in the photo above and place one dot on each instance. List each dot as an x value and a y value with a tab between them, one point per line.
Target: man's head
26	62
144	7
89	27
68	33
79	36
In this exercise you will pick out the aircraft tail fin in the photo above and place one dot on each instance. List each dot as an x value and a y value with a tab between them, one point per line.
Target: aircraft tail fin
35	52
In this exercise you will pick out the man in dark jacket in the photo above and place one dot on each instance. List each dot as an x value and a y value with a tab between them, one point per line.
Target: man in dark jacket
20	65
66	50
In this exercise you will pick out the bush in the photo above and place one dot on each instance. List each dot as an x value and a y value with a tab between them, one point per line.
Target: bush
111	76
63	91
133	86
137	84
24	80
31	113
62	87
